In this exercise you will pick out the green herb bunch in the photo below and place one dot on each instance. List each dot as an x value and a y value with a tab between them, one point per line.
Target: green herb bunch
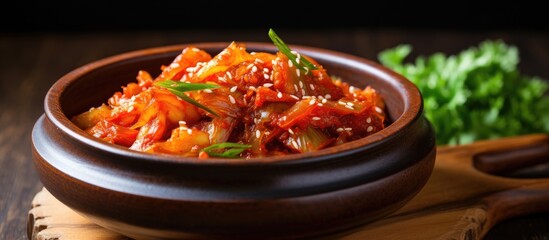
476	94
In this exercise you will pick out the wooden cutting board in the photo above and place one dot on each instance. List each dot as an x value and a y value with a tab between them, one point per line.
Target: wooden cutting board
463	199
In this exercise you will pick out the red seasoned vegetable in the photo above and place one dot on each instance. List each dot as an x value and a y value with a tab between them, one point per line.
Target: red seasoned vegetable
236	104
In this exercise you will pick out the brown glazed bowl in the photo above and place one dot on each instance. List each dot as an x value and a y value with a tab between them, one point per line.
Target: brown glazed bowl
148	196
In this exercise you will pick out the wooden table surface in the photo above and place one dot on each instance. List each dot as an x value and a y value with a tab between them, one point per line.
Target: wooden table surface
31	63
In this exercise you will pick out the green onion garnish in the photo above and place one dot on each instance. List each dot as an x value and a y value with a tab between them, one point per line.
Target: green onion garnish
303	63
179	89
226	149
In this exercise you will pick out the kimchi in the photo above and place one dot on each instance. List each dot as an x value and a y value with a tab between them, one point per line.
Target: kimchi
236	104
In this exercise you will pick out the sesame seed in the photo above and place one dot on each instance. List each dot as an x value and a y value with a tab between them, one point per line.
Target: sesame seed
297	72
265	70
273	62
221	79
252	88
250	66
267	133
130	108
231	98
369	129
320	104
298	55
291	131
340	130
183	128
313	101
266	76
324	101
254	69
300	84
352	89
279	95
133	98
379	110
174	65
316	118
190	74
350	104
283	118
349	107
182	122
296	89
233	89
189	131
257	133
368	120
327	96
341	103
229	75
267	85
196	50
259	60
253	53
190	69
293	52
290	64
245	101
294	97
303	92
294	144
306	97
256	120
348	129
297	60
208	91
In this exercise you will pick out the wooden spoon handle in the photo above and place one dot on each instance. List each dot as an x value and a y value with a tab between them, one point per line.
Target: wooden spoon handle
524	196
517	202
506	161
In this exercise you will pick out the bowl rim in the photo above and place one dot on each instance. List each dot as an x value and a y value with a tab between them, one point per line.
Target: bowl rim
413	107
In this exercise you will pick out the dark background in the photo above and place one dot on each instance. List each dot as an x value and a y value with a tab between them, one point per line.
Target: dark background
85	16
40	42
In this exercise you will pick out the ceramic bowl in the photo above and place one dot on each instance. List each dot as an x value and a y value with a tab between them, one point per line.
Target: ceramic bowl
148	196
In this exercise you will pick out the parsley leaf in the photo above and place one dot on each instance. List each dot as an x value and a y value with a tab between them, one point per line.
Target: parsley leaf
476	94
